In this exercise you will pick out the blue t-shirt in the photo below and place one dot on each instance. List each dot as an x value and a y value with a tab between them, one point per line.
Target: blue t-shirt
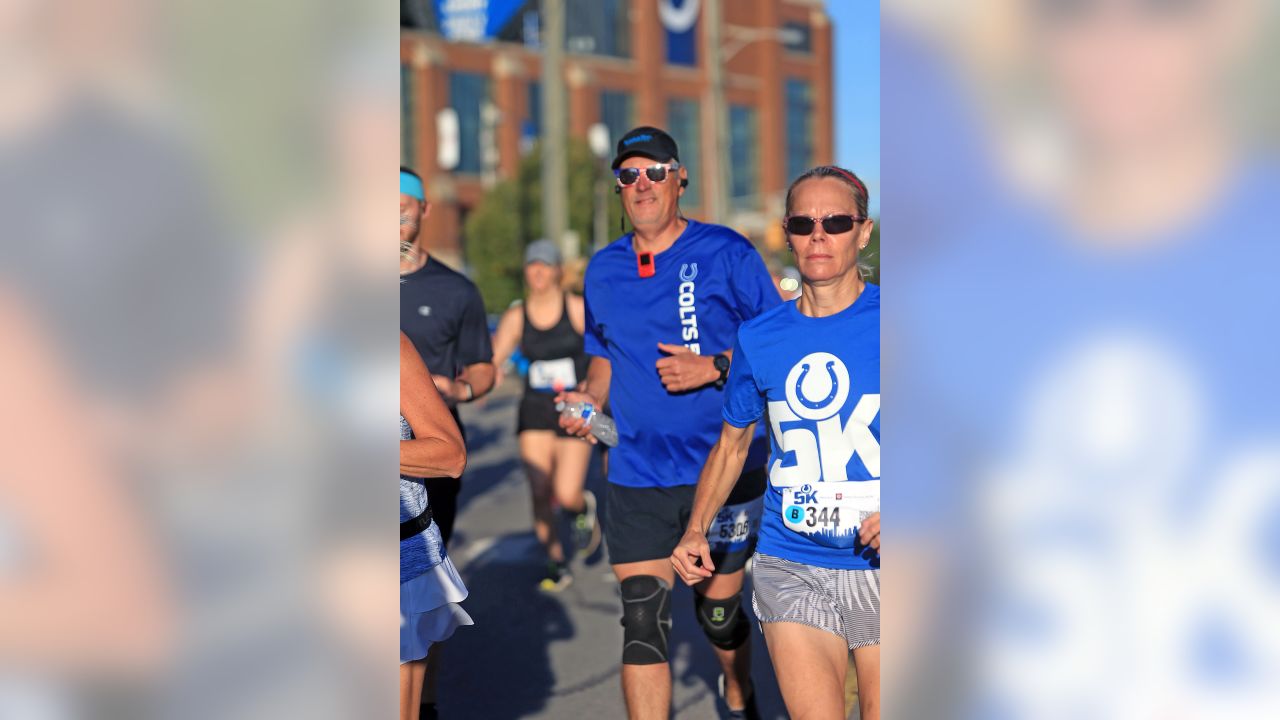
819	380
704	286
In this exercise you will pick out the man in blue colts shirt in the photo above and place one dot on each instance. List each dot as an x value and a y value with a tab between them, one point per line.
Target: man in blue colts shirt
814	365
663	305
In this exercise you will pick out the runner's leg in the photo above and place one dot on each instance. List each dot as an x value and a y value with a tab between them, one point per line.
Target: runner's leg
569	476
850	687
411	688
810	665
647	688
727	582
537	450
569	473
735	664
866	661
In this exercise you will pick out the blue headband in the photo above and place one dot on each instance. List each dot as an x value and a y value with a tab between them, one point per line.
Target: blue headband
412	185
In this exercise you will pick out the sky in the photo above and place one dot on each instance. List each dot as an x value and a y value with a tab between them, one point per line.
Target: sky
857	89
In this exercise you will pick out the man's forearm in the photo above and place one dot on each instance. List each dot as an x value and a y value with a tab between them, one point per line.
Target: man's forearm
480	377
599	376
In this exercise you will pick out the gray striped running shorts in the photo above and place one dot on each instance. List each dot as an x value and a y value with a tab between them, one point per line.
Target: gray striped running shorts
844	602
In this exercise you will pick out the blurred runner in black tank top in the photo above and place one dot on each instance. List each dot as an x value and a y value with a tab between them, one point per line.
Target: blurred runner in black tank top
547	328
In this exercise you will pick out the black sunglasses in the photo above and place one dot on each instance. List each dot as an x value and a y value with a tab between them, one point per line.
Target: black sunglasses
831	224
655	173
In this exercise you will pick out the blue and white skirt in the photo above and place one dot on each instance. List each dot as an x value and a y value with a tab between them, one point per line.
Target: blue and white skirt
429	609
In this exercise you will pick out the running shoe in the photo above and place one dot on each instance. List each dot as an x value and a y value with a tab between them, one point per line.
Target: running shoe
750	712
557	578
586	526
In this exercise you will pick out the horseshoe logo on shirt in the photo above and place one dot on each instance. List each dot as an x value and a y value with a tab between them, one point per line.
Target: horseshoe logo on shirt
835	387
832	386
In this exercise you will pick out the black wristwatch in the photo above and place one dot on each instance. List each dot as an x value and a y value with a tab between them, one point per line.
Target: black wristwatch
722	364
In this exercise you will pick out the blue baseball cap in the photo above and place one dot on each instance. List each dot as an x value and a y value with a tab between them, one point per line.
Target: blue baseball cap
646	141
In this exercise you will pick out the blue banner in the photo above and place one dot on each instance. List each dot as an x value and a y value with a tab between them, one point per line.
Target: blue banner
474	20
680	19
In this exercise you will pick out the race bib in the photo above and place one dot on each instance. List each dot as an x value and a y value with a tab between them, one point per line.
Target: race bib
735	525
830	513
552	375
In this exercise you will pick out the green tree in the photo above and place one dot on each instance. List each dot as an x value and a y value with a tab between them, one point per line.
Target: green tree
871	256
495	246
509	217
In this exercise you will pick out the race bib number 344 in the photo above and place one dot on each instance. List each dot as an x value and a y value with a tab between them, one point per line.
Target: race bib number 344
830	512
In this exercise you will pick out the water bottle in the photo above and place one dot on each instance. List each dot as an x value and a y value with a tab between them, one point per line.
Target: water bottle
601	425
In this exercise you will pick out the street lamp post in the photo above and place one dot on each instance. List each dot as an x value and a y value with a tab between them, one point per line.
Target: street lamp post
554	122
489	117
598	140
719	197
719	53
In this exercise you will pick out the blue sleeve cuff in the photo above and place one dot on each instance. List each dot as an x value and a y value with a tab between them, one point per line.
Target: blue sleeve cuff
735	421
591	346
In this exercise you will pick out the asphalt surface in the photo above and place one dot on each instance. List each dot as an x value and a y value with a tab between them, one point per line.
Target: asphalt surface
533	654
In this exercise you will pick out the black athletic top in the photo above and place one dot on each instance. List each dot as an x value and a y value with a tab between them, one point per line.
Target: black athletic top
560	345
556	359
443	315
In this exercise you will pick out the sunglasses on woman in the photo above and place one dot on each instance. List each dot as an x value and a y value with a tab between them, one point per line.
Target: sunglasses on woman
655	173
831	224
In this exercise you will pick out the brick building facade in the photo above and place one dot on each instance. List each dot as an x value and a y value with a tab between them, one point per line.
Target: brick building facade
622	69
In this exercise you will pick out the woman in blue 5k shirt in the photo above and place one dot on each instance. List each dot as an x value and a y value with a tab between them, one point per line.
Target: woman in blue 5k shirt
814	364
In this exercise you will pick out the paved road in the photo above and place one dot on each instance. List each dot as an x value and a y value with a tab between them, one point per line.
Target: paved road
537	655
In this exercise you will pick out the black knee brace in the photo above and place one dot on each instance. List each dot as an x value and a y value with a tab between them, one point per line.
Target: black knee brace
646	619
722	620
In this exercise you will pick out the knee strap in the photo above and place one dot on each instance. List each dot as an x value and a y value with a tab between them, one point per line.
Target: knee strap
646	620
723	621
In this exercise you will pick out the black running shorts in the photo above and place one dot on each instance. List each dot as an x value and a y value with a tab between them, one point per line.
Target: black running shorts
647	523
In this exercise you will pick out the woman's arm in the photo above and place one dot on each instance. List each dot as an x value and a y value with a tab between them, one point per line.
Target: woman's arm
692	556
577	314
437	448
506	340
